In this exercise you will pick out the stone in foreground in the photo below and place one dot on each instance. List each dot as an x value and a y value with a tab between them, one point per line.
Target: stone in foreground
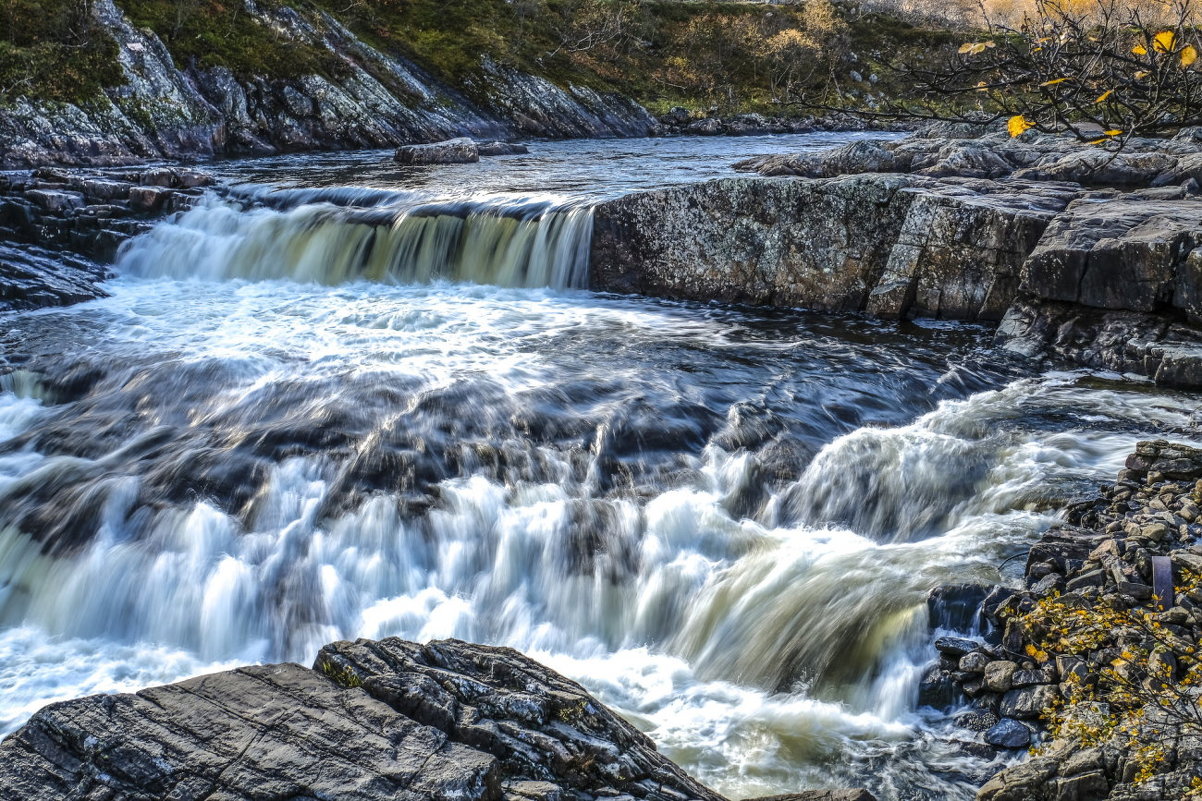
388	719
452	151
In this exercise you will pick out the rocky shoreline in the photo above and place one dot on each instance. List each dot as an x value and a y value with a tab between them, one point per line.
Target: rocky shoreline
1088	642
61	228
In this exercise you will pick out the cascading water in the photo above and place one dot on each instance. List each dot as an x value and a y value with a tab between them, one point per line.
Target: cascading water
722	522
511	244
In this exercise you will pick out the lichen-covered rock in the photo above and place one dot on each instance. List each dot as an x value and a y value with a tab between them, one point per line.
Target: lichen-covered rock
891	245
1115	251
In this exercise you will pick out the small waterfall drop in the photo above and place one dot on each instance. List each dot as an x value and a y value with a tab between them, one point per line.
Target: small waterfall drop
517	244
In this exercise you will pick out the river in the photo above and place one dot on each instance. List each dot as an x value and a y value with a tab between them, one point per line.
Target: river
362	400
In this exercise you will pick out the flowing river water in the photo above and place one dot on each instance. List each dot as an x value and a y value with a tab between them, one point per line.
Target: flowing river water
359	400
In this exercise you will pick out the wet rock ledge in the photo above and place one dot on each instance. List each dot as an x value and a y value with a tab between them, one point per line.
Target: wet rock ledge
1078	255
1096	658
60	228
373	720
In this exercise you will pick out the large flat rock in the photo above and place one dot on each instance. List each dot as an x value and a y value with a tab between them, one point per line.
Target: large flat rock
892	245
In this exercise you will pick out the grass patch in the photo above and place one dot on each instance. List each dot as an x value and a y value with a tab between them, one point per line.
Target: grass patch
53	50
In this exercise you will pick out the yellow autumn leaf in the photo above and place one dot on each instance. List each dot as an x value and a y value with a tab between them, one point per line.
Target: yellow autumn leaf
974	48
1164	42
1101	141
1018	124
1189	54
1113	132
1138	50
1054	82
1103	97
965	48
1141	75
982	87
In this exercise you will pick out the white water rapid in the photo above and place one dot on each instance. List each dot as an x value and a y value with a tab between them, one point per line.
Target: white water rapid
317	420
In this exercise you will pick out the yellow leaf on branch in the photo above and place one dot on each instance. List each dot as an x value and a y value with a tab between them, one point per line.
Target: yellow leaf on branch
1164	42
1139	50
1113	132
1104	96
1018	124
1189	54
1054	81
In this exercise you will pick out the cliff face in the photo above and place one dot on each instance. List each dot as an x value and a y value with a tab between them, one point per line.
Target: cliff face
163	111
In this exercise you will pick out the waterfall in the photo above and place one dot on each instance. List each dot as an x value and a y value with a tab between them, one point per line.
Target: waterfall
517	244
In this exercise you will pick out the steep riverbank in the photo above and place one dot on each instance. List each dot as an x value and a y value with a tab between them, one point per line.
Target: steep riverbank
120	81
159	110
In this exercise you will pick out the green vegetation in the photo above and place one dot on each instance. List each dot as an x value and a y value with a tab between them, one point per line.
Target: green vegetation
735	56
52	49
221	33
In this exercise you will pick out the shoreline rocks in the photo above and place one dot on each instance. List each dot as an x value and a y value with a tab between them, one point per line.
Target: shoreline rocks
60	227
1102	559
950	224
373	720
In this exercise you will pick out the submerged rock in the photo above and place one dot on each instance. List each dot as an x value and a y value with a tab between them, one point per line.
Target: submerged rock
500	149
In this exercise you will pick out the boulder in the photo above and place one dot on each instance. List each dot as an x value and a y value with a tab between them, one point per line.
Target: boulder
1028	703
447	721
1008	733
998	676
453	151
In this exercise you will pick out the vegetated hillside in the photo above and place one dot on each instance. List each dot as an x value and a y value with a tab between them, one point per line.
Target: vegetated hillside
730	55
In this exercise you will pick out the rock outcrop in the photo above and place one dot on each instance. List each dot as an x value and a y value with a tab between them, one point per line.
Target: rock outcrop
891	245
453	151
373	720
967	151
59	228
163	111
959	226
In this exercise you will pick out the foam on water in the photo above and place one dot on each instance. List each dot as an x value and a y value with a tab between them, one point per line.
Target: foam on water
356	412
765	651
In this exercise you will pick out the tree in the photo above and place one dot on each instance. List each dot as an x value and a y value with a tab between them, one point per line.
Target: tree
1102	70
